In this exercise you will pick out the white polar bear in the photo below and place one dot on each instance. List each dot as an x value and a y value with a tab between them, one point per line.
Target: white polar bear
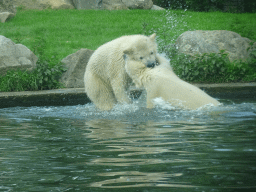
106	81
162	82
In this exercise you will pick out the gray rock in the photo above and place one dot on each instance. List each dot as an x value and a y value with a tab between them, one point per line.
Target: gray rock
15	56
61	4
138	4
75	63
7	6
112	5
199	42
99	4
32	4
88	4
155	7
4	16
44	4
7	10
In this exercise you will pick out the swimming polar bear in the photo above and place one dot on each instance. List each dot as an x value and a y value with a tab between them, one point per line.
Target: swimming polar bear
162	82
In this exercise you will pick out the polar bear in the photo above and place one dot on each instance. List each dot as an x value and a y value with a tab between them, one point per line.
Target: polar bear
162	82
106	81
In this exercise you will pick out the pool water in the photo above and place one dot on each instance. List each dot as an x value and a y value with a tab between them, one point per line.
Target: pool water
130	148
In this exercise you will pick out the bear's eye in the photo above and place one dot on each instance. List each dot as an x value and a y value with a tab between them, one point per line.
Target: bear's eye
141	58
152	53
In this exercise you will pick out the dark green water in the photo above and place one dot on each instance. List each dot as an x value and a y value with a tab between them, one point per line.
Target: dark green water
77	148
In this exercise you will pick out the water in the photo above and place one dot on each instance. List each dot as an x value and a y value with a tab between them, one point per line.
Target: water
131	148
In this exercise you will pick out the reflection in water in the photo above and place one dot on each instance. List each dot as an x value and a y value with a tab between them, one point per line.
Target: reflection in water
138	179
129	141
78	148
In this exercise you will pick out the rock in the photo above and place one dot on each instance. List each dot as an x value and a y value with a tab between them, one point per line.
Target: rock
112	5
88	4
15	56
199	42
32	4
76	63
100	4
155	7
81	4
61	4
7	10
138	4
44	4
7	6
4	16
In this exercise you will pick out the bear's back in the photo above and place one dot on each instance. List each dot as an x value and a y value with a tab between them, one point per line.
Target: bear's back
108	58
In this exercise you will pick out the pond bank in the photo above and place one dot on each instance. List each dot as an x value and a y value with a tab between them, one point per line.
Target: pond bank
75	96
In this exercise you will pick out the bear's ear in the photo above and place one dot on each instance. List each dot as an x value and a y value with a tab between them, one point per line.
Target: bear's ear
128	51
152	37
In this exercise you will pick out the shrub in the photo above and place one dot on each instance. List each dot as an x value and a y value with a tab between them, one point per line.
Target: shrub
48	73
17	80
213	68
44	76
48	70
209	5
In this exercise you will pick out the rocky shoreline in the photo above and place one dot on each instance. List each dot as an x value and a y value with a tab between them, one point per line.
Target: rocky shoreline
76	96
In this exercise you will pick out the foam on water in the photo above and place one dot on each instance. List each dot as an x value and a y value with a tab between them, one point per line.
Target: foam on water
137	112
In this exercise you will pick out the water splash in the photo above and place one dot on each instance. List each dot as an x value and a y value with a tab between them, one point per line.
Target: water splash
229	111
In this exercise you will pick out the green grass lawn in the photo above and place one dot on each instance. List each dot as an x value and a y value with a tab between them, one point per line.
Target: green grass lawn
66	31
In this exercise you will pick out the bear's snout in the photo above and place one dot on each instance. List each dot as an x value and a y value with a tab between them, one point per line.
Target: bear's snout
151	65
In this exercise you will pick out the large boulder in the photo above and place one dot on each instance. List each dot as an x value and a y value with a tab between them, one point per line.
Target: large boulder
199	42
15	56
88	4
155	7
61	4
100	4
113	4
7	10
32	4
138	4
7	6
76	63
44	4
4	16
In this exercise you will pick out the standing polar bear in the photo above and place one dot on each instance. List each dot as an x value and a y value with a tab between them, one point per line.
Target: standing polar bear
161	81
106	81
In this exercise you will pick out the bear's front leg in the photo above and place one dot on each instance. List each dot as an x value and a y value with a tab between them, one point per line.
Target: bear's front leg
120	90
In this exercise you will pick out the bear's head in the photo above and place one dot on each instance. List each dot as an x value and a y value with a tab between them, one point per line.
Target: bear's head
143	50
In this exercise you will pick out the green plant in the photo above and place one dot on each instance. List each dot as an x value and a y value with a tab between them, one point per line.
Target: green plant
212	68
48	72
251	62
252	50
45	76
15	80
209	5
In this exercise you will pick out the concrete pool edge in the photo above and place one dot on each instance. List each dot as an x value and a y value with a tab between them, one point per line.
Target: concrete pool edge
75	96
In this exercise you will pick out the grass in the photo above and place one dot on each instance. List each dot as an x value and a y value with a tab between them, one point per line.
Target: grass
66	31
